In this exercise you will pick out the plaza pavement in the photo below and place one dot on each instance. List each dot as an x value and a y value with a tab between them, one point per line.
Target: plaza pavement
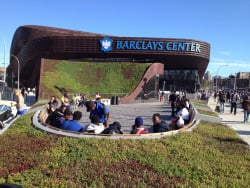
235	122
126	114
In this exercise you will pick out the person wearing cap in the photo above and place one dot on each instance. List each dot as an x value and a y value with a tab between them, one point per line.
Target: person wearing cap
138	127
99	109
71	122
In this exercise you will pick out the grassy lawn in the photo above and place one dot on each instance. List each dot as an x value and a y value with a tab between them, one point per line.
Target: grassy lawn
210	156
200	103
207	113
203	104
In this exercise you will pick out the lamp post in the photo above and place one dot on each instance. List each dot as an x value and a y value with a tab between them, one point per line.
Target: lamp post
216	81
18	70
235	81
4	54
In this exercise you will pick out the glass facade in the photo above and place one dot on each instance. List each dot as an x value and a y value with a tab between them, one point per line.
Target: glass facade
180	80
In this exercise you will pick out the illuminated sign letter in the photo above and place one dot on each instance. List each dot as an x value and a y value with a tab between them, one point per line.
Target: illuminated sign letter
175	46
119	44
125	45
132	45
197	48
187	46
181	46
192	47
168	46
149	46
137	45
143	45
160	46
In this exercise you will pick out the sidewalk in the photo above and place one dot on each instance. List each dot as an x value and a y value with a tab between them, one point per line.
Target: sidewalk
235	122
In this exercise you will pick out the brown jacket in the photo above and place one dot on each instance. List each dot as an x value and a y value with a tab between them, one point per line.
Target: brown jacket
246	105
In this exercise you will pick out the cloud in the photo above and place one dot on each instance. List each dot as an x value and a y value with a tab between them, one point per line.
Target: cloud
225	53
237	63
234	65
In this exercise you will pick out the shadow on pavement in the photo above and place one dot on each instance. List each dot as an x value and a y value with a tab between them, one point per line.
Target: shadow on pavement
232	122
243	132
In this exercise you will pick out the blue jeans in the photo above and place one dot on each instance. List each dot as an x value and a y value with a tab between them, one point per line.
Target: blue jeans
233	107
246	115
222	107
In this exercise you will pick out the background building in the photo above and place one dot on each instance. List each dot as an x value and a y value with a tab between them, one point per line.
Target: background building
239	81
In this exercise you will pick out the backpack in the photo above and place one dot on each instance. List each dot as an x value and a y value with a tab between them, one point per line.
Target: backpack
114	128
103	108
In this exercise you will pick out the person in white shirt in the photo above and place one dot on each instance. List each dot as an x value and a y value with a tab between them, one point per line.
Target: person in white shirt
182	113
94	126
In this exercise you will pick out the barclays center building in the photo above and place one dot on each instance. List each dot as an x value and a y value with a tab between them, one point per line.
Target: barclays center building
184	60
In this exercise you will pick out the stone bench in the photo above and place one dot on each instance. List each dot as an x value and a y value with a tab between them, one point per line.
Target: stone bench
39	121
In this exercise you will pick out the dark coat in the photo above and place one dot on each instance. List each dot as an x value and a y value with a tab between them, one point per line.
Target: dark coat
246	105
161	127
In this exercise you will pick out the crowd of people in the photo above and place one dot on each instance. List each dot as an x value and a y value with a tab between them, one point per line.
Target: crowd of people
235	99
64	114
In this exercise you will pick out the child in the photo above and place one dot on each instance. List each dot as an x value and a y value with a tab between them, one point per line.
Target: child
138	127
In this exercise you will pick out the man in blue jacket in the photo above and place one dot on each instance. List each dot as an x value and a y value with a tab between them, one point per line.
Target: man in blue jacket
99	109
72	124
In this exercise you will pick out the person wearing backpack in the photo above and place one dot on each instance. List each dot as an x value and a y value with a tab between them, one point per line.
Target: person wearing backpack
99	109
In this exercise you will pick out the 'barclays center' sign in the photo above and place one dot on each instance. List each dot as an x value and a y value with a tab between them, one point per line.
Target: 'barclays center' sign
106	45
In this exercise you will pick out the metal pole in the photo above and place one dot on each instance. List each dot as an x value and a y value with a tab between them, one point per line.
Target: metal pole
18	70
4	63
216	81
235	81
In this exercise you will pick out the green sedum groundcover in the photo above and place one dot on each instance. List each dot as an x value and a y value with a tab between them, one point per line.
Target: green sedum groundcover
210	156
91	77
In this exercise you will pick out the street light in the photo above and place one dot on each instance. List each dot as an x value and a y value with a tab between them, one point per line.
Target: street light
18	70
216	81
4	50
235	81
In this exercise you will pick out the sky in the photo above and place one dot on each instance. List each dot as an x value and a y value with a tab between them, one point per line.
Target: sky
224	24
